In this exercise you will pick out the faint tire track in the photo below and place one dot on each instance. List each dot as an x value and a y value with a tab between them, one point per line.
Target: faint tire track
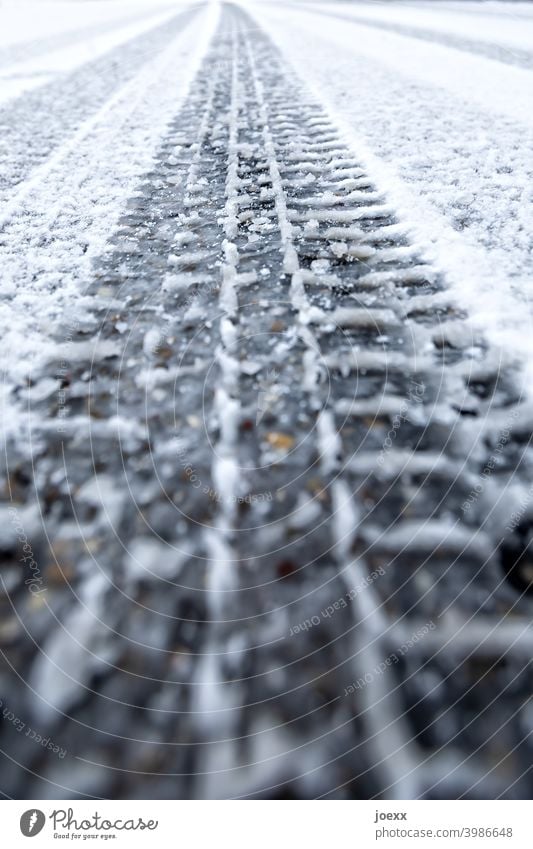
498	52
25	50
31	127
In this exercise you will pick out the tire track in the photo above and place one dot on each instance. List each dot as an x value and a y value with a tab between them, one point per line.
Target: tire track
25	50
386	731
31	127
498	52
273	420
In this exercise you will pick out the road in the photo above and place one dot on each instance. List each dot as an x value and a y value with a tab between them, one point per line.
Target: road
266	405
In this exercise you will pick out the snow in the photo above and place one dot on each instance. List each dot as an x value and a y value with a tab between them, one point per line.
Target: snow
447	138
22	21
438	143
445	135
290	260
328	442
377	704
78	194
70	656
18	77
505	29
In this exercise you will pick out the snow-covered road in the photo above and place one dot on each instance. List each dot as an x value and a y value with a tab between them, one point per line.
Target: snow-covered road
266	399
439	100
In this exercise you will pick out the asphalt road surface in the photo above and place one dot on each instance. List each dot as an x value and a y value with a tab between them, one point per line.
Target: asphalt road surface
267	479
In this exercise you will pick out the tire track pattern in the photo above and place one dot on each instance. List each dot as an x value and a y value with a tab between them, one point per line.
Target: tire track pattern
257	495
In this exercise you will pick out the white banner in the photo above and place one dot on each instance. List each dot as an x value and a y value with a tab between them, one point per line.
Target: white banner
260	825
